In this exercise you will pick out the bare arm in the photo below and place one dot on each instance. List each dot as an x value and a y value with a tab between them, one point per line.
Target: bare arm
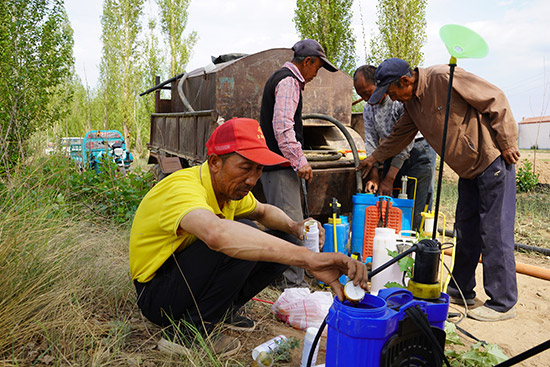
274	218
244	242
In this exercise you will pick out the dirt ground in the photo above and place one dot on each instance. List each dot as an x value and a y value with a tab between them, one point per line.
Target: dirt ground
530	327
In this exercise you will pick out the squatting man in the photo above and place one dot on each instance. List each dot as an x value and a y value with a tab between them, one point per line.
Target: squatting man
194	263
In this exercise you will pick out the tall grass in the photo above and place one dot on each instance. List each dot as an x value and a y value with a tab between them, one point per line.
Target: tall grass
66	297
60	275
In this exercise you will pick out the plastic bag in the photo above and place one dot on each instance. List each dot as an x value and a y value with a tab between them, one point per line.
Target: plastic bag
301	308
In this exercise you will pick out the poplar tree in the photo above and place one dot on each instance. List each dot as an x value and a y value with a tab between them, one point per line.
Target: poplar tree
402	31
118	72
329	23
173	21
36	45
151	67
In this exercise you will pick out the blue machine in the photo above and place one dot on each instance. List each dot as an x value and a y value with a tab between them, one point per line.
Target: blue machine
379	332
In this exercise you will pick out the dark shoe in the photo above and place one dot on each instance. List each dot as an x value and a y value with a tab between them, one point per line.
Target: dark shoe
456	297
239	323
282	284
485	313
460	301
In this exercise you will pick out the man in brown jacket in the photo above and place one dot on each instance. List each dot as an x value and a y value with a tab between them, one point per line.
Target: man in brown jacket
482	149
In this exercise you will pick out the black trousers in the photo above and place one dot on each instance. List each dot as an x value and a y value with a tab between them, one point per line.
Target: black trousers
199	286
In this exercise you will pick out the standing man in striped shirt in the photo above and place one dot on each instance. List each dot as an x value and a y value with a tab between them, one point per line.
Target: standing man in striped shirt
281	122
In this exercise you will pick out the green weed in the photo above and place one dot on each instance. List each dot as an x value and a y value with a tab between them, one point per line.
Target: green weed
526	178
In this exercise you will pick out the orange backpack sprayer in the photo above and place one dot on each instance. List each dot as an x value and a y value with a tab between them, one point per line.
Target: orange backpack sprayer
383	215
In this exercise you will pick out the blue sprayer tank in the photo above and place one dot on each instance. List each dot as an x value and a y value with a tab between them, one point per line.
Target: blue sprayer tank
342	238
357	334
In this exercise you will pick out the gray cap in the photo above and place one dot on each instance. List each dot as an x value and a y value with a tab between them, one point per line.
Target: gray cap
309	47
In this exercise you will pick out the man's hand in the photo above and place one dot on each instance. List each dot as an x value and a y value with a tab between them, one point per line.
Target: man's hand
366	166
305	172
373	182
511	155
329	266
386	187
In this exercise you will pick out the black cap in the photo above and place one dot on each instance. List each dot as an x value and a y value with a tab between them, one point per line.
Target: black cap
387	72
309	47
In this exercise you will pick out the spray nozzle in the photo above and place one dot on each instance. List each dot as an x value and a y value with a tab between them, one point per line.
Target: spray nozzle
335	205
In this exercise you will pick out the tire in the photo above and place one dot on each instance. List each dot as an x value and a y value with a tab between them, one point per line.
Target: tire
157	172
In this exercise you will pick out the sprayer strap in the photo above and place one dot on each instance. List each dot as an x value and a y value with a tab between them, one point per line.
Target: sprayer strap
421	321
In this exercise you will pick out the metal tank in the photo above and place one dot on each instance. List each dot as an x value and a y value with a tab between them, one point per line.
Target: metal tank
200	100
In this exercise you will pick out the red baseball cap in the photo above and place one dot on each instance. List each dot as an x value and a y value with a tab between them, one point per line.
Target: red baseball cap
243	136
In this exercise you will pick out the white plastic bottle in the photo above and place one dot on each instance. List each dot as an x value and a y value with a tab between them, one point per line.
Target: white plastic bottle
311	237
308	342
384	240
269	346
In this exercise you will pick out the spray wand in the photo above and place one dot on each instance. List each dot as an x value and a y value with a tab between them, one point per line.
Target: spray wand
335	205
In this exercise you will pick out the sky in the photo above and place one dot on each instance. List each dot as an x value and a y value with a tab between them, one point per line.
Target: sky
515	31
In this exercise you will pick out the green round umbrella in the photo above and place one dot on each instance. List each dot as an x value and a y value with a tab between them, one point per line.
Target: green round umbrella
462	42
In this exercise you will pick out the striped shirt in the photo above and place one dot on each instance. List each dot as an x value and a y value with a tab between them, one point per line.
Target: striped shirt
287	96
379	120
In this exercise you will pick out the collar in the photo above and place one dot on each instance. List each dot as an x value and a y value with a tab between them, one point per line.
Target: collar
206	182
420	83
295	71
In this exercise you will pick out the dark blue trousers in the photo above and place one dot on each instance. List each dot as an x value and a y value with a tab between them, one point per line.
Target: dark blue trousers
485	215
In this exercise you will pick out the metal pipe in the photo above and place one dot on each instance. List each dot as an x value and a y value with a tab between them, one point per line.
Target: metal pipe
339	125
182	95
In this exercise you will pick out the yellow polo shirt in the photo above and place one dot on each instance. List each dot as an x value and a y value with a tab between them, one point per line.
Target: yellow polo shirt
156	233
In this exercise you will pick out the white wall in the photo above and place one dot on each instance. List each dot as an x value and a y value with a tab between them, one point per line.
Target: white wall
534	134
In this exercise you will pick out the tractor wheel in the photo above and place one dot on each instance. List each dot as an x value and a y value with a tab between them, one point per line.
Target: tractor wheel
157	172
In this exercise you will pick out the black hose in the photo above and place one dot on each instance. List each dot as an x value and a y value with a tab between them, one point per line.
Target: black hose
527	354
542	250
315	341
159	86
339	125
518	246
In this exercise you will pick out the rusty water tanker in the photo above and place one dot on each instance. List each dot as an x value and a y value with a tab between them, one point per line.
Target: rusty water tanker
202	99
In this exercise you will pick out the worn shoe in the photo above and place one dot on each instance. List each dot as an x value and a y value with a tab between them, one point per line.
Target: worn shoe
166	346
239	323
222	345
225	345
460	301
485	313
